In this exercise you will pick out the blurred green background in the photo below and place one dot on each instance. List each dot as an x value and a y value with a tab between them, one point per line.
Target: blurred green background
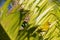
29	19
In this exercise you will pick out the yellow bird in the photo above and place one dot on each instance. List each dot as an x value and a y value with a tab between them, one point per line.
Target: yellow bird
44	27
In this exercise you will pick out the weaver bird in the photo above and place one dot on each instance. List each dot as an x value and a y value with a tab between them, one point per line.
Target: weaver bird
44	27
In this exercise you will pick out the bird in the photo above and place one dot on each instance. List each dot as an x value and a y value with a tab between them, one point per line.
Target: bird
44	27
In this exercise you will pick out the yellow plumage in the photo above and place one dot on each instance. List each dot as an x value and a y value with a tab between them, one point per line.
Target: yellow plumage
45	26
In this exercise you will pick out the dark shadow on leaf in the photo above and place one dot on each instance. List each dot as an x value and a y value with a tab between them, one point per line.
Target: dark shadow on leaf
3	34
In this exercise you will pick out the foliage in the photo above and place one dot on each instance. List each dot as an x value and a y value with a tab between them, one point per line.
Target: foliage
43	23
